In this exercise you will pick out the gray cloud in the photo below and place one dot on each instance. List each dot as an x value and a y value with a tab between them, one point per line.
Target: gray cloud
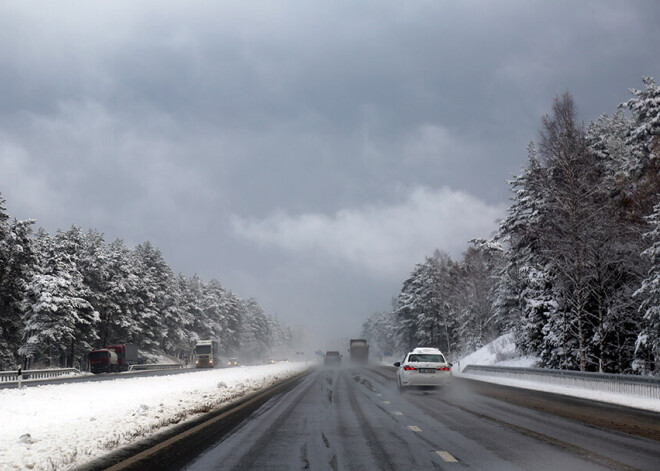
381	240
189	123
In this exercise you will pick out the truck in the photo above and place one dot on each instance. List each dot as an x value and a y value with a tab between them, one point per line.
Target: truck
359	350
206	354
113	358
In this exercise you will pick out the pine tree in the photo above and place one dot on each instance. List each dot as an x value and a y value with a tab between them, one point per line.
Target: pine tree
525	290
647	347
379	330
59	322
16	265
118	307
154	296
255	336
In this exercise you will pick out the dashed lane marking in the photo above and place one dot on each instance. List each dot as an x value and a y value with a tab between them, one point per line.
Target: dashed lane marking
446	456
398	413
387	402
414	428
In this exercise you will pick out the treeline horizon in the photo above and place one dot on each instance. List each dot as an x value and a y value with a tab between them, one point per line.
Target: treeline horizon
573	269
65	294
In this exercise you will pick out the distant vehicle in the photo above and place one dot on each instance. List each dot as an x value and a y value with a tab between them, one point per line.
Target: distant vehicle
359	350
206	354
233	362
113	358
332	358
424	366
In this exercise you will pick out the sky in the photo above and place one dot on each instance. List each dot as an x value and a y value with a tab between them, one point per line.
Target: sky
306	154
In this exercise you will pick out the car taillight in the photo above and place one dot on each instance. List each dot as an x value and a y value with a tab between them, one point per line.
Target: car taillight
408	368
443	369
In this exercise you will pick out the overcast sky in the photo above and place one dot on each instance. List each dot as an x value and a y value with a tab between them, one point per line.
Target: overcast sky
304	153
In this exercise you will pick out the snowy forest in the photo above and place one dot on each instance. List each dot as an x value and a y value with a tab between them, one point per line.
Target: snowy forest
63	295
573	269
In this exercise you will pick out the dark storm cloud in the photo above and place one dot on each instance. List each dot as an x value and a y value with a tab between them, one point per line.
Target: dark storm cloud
219	130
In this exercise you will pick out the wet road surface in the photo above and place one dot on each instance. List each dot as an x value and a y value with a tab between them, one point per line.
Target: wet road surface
354	419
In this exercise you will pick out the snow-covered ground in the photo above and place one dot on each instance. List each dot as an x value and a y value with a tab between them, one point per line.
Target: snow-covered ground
60	426
502	352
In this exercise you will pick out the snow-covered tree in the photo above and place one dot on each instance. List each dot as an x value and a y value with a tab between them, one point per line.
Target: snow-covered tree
648	340
379	331
255	337
60	321
476	315
524	292
645	134
16	265
154	297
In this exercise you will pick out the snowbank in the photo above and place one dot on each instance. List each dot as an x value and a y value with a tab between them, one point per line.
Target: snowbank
501	352
62	426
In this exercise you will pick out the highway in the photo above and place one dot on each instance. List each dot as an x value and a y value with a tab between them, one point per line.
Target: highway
354	419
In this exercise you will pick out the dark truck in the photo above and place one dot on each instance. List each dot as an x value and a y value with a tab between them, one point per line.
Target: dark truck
359	350
113	358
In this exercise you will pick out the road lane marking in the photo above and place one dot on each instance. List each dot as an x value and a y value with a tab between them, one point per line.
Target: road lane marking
608	462
398	413
446	456
379	395
387	402
414	428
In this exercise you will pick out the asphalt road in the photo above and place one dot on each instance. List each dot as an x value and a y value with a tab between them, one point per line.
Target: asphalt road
354	419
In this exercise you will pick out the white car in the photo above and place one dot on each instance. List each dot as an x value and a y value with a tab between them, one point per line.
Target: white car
424	366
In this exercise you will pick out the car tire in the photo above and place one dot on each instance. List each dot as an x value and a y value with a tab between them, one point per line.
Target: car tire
400	387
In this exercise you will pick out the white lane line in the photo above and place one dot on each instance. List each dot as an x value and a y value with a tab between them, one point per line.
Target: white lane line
414	428
446	456
379	395
387	402
398	413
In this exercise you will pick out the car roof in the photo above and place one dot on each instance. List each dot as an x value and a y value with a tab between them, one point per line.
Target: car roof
426	350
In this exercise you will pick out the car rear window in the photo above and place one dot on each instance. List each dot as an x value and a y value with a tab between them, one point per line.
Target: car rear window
332	354
426	358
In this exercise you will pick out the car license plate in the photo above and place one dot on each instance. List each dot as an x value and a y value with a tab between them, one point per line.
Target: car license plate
427	370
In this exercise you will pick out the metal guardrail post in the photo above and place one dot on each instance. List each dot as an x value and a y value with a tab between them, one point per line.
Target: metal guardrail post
20	377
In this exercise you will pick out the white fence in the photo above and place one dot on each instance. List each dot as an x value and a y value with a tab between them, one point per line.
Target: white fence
640	386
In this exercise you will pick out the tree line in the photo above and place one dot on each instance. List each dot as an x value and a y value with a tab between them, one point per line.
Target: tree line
573	269
62	295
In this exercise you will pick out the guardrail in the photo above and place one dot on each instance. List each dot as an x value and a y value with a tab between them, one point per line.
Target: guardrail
641	386
155	366
26	375
12	376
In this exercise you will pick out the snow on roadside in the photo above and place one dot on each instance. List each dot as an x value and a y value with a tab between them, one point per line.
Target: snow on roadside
62	426
502	352
626	400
